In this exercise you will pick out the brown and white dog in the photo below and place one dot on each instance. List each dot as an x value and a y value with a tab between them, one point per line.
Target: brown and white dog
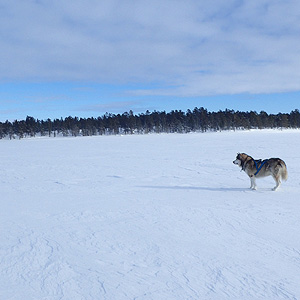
254	168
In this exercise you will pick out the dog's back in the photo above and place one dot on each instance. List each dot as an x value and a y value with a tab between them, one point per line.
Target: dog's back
272	166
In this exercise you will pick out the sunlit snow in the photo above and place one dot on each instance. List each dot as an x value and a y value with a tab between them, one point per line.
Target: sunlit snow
148	217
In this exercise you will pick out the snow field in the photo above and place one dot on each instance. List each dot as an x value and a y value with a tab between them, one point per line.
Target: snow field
148	217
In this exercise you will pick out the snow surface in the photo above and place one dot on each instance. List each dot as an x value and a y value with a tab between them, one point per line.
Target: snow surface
148	217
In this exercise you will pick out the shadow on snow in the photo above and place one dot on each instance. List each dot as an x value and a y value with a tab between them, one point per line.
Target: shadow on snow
200	188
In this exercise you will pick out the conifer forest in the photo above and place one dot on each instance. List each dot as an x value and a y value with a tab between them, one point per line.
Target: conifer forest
176	121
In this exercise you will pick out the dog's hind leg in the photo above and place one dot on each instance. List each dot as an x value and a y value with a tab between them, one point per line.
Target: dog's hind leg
277	177
278	182
253	183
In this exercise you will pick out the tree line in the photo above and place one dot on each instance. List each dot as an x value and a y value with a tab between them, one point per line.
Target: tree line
176	121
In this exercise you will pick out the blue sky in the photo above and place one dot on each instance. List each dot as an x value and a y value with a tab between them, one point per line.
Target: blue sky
85	58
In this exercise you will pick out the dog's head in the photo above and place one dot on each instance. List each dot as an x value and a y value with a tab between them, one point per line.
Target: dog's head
240	158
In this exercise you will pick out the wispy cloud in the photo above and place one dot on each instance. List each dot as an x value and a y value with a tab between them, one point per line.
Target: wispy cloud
188	48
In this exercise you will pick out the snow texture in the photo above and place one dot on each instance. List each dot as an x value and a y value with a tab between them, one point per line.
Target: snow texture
148	217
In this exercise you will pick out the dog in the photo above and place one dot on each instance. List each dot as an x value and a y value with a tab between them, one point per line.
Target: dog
274	167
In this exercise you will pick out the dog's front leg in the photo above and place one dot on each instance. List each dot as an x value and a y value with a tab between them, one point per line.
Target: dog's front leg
253	182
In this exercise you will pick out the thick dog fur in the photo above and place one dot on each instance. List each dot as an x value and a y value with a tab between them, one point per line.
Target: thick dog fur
274	167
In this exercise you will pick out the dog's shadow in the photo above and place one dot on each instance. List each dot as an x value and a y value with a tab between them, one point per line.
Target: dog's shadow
200	188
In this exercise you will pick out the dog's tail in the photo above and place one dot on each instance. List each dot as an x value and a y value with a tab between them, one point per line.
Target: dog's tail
283	171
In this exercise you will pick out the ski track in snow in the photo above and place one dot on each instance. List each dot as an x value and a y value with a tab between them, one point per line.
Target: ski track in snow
148	217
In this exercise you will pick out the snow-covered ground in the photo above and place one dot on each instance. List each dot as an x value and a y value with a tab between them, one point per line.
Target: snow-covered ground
148	217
